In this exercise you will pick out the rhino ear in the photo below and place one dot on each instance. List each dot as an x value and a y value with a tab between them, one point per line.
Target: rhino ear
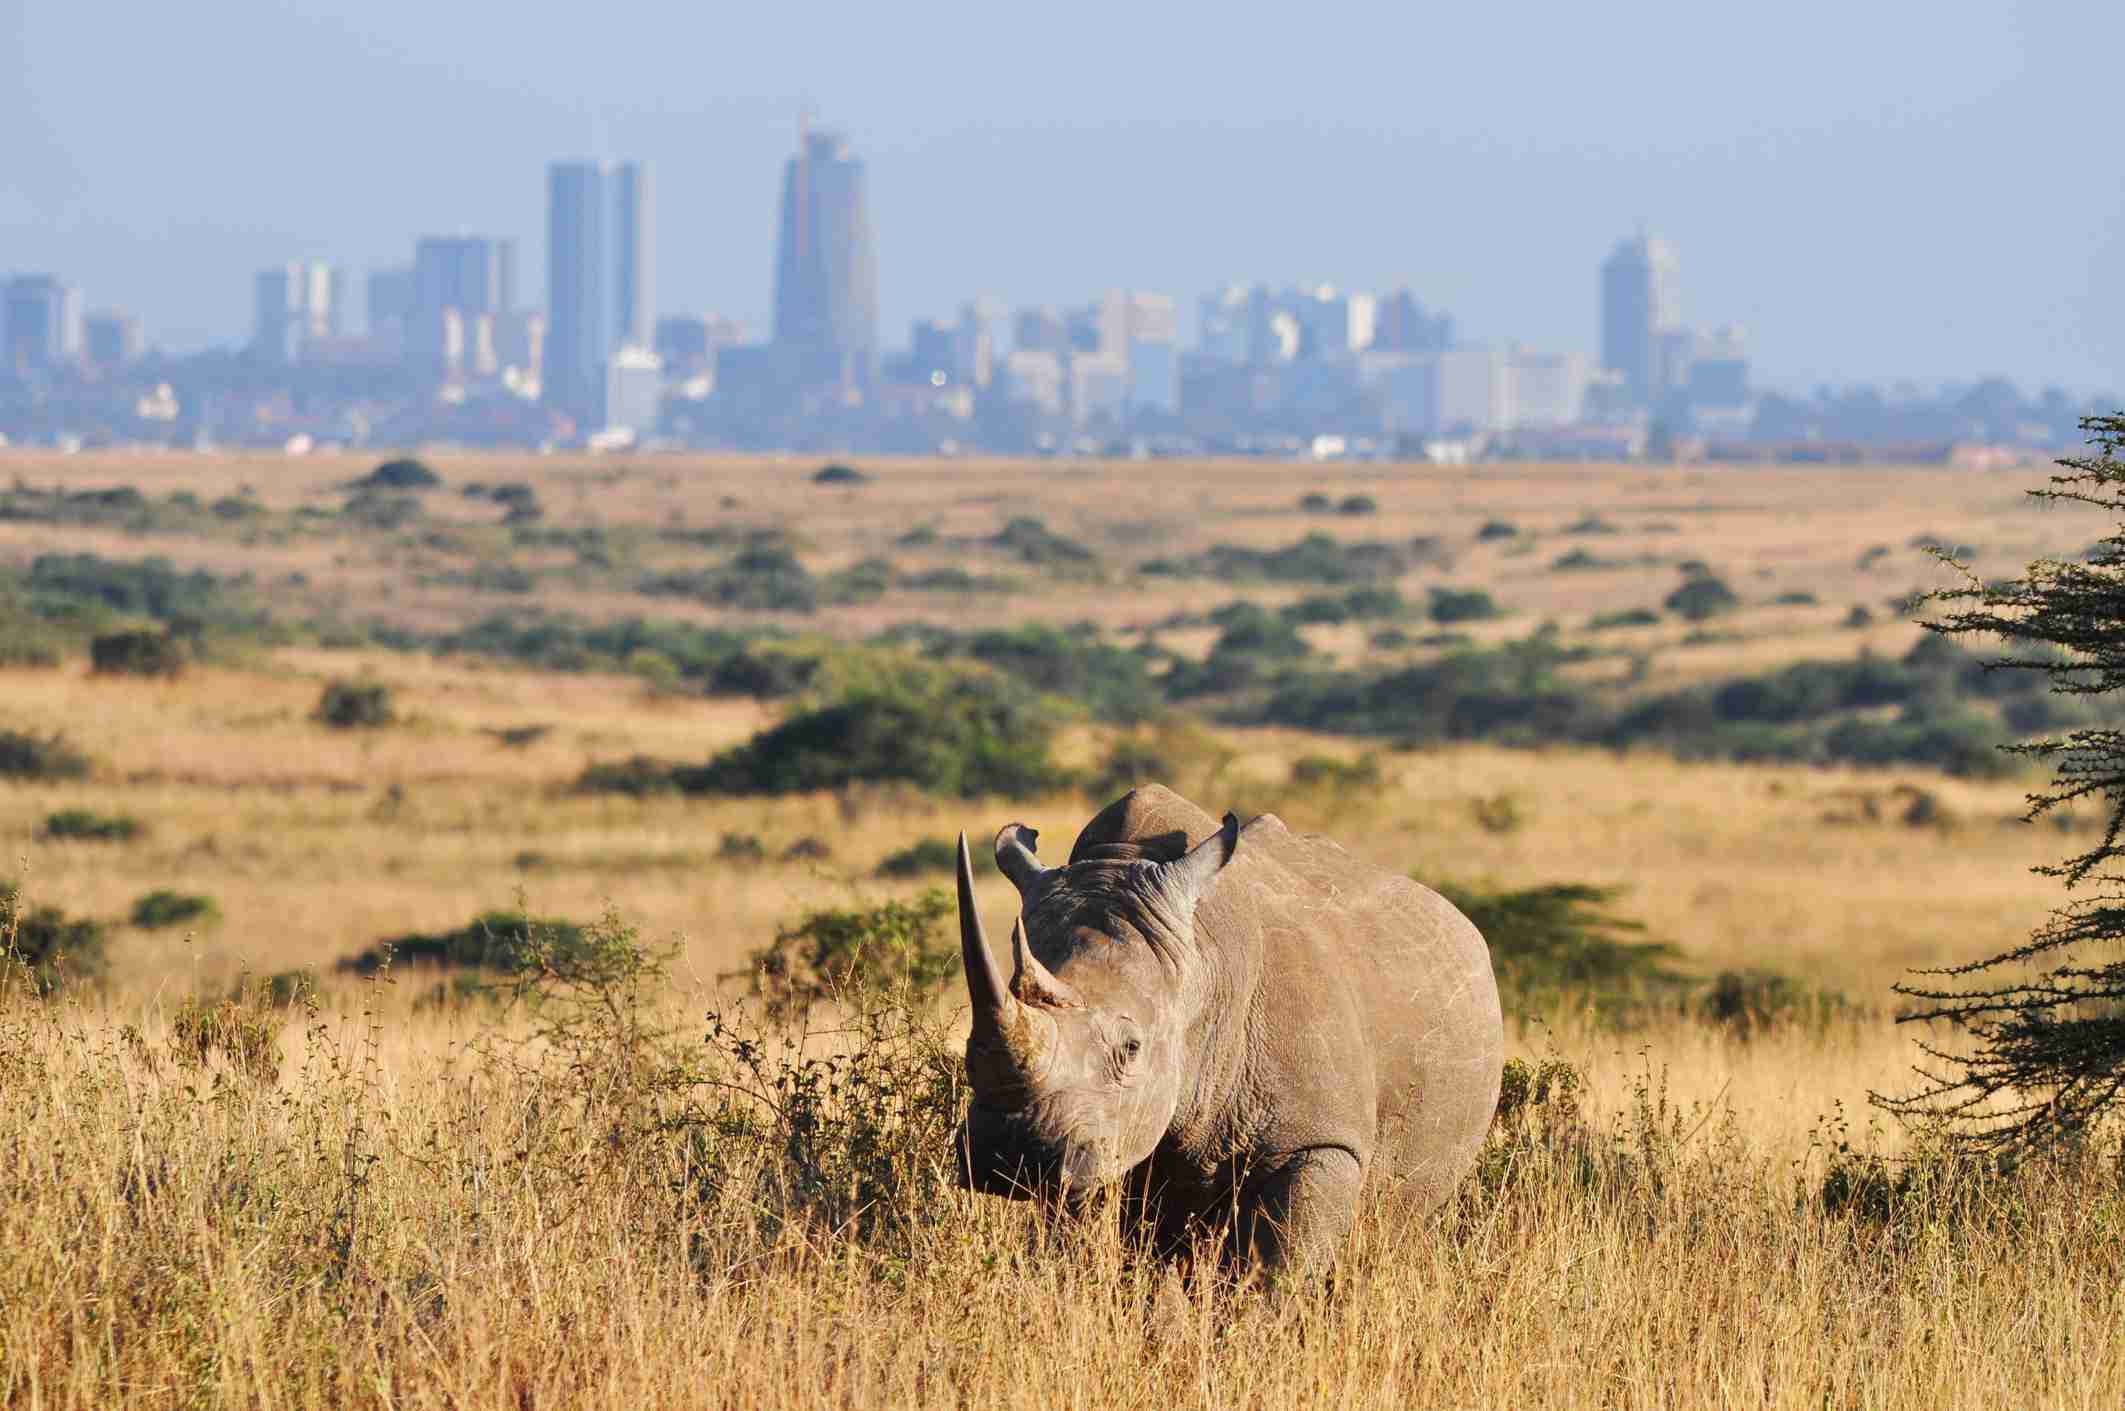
1190	875
1014	858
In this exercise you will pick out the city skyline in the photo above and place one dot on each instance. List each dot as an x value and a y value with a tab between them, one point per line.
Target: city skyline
1919	207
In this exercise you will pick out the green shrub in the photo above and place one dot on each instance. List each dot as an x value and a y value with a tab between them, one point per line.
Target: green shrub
1357	605
404	473
137	652
1314	502
1034	543
894	948
838	474
765	576
1317	558
354	705
1561	944
1752	1002
88	585
1109	682
1462	605
502	941
1701	596
1358	504
638	776
1591	524
925	855
1629	617
152	911
44	947
1497	529
1339	776
741	848
27	756
1797	597
86	825
966	736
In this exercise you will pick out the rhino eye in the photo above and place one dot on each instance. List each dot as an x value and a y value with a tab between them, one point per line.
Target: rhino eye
1131	1047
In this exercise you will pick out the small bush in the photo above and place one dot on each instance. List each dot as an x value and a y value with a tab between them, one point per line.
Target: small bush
354	705
894	948
1702	596
1859	616
966	736
1494	529
1357	505
1591	524
838	474
807	849
152	911
1796	598
1462	605
136	652
1561	944
88	826
919	858
27	756
1629	617
502	941
1751	1002
1034	543
1362	775
404	473
1314	502
741	848
45	947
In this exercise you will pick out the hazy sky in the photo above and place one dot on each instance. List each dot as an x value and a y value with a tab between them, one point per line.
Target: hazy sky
1874	189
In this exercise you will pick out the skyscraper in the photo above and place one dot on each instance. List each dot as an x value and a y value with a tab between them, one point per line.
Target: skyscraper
461	286
826	277
295	303
40	322
599	280
1641	302
633	268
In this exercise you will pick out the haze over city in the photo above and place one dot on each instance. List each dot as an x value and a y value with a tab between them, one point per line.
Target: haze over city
1898	192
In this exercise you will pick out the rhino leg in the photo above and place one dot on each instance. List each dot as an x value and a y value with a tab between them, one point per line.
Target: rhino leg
1294	1218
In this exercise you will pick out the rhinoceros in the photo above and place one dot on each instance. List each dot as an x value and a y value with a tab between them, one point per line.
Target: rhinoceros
1234	1024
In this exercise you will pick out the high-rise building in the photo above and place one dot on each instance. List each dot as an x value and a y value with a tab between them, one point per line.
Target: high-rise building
110	339
461	286
1641	302
579	297
40	322
295	303
633	257
599	280
1403	325
826	277
390	300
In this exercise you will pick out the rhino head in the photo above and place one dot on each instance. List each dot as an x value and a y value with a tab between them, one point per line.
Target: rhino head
1078	1064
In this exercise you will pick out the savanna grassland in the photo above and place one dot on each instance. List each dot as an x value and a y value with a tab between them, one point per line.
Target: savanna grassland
670	709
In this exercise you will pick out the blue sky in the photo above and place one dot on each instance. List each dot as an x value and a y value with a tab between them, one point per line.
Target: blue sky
1874	191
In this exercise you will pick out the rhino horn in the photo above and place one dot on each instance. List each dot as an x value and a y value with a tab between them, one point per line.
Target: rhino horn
1191	874
1014	858
1033	983
994	1008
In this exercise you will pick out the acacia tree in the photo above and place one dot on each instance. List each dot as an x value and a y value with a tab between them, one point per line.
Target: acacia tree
2045	1021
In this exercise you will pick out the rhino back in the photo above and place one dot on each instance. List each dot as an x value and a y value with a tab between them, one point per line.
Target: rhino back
1373	1014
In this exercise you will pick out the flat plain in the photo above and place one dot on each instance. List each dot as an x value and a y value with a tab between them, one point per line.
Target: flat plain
432	1200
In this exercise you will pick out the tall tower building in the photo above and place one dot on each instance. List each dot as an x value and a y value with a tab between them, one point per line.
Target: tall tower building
634	268
1641	303
826	277
40	322
294	303
461	287
599	280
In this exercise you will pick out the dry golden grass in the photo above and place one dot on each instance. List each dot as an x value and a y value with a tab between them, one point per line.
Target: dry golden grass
403	1219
